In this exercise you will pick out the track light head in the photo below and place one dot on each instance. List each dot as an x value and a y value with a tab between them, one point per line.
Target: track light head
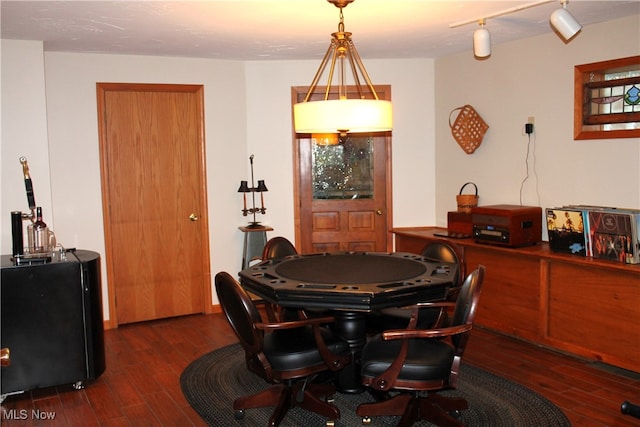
481	41
561	21
564	23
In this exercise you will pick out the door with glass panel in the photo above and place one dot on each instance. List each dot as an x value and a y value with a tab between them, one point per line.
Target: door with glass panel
343	190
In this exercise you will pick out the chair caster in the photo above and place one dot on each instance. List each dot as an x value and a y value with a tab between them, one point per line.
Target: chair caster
629	408
366	421
456	414
239	414
331	423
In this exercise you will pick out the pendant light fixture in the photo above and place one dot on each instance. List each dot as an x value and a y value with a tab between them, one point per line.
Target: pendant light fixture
366	113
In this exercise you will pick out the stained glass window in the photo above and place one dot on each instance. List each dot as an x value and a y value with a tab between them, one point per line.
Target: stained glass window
343	170
610	98
608	94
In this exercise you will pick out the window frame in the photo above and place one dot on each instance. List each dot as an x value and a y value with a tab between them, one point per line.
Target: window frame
582	75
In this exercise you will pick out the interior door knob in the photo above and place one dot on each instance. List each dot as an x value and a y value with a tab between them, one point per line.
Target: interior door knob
193	217
379	212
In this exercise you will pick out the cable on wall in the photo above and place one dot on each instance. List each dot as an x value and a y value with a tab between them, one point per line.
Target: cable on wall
531	152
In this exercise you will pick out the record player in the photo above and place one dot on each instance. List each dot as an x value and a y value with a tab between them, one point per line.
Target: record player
507	225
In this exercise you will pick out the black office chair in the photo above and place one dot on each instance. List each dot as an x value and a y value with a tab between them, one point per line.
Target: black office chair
447	251
416	363
287	355
440	250
277	248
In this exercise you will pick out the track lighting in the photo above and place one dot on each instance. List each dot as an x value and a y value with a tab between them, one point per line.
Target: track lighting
561	20
564	23
482	41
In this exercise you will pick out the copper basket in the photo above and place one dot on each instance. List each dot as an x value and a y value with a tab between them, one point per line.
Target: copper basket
468	128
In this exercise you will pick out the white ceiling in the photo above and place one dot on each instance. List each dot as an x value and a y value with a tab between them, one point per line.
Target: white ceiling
281	30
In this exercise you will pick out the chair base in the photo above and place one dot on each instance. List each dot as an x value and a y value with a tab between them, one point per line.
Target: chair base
433	408
285	397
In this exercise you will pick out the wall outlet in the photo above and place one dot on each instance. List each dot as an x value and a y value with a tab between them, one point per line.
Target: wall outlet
531	120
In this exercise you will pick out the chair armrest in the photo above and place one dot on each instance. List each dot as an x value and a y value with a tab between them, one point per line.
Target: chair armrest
333	361
415	312
272	310
387	379
439	304
291	324
426	333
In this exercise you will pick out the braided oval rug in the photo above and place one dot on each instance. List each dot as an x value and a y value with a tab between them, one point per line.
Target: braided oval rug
213	381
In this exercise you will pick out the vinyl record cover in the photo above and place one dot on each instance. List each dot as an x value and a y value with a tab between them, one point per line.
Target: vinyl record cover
613	236
566	229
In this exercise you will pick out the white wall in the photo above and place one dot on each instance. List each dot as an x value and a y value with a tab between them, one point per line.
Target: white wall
75	169
24	133
534	77
74	198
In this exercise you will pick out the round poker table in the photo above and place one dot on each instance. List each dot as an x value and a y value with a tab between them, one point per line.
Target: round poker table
362	281
350	284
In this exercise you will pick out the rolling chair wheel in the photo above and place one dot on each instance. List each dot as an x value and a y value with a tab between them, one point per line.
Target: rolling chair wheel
629	408
239	414
366	420
456	413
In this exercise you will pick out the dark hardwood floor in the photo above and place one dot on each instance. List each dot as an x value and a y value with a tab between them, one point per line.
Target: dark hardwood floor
141	384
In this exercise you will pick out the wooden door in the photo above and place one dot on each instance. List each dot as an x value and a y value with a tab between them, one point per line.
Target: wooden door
343	191
154	200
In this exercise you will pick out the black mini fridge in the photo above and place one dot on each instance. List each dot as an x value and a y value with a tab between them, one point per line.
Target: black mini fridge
51	322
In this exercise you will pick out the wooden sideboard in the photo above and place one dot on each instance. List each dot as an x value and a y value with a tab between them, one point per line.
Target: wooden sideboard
579	305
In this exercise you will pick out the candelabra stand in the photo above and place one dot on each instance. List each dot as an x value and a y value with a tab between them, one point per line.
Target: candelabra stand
244	189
